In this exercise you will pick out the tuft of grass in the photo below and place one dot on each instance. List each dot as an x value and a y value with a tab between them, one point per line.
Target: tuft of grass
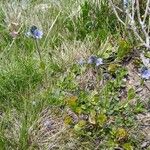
94	19
17	80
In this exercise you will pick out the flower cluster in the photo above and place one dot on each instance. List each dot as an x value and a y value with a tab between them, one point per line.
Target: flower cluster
35	33
92	60
95	60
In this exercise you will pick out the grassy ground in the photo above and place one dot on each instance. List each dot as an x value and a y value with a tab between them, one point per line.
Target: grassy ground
56	100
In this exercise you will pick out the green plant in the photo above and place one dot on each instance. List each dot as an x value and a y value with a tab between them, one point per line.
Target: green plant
51	95
94	20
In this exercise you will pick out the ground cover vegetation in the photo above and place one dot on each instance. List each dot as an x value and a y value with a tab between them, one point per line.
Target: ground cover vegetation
74	74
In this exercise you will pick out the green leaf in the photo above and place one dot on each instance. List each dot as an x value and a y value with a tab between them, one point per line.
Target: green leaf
81	124
42	65
127	146
101	119
68	120
113	67
72	101
77	128
121	133
131	94
124	49
92	117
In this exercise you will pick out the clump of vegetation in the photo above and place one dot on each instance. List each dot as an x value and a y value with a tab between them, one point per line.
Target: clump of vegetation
93	20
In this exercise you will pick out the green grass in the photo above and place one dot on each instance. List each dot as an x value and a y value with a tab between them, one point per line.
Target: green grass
54	102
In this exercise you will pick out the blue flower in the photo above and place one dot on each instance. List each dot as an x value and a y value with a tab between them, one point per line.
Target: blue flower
145	73
92	59
35	33
95	60
32	29
99	61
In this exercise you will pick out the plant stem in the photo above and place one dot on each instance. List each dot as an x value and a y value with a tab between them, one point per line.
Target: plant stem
38	49
39	52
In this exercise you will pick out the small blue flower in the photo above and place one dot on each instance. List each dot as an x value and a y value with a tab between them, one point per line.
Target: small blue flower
95	60
99	61
92	59
32	29
145	73
35	33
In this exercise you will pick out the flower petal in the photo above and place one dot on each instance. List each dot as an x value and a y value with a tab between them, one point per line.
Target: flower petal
99	61
92	59
37	34
145	73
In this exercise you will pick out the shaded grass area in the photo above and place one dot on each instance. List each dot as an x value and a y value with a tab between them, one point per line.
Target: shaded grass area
56	102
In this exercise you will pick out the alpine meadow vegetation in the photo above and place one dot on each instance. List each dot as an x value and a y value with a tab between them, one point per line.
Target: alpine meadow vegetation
74	75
